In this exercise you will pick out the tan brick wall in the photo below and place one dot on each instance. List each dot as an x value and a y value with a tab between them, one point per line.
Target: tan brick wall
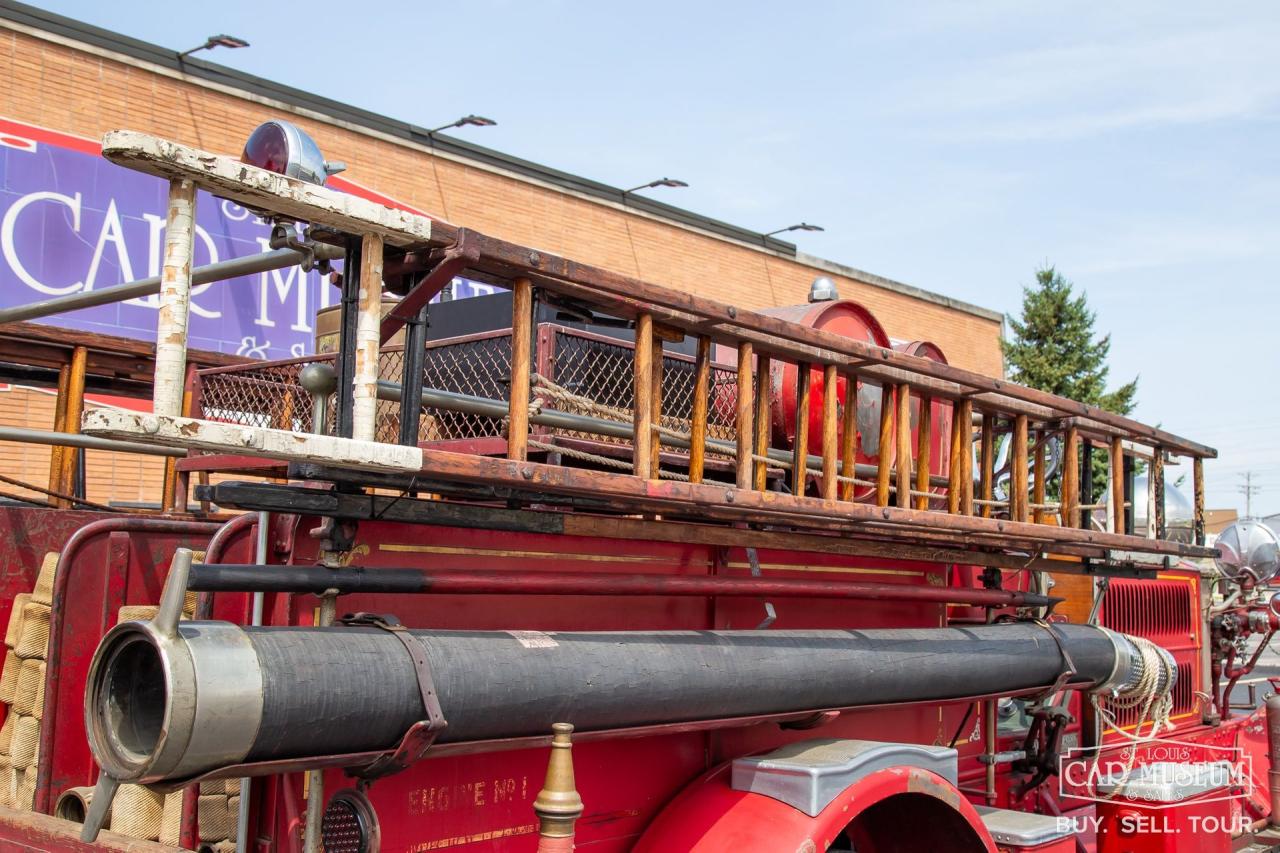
80	93
110	476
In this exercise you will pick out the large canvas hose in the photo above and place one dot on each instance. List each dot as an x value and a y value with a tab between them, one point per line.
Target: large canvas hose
171	706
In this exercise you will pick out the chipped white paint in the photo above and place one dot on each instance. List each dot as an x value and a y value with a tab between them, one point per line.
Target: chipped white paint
364	390
252	441
175	299
258	188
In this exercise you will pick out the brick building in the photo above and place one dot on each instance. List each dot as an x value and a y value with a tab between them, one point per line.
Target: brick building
68	77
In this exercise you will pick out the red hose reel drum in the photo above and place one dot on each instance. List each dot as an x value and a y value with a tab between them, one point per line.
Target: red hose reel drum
848	319
940	417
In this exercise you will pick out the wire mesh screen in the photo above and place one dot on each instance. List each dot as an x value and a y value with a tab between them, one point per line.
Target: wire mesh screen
598	373
602	372
258	395
479	366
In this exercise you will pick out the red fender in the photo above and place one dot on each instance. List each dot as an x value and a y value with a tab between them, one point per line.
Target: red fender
906	808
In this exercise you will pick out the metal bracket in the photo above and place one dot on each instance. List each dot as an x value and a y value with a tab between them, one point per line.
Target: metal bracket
770	615
454	260
287	235
418	739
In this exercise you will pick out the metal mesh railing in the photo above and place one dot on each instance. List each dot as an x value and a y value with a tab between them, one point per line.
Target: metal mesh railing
258	395
479	366
599	370
602	371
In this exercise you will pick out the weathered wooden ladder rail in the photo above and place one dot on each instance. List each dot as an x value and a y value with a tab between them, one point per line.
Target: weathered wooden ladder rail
423	255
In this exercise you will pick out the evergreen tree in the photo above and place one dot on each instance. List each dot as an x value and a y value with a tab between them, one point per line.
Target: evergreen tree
1053	348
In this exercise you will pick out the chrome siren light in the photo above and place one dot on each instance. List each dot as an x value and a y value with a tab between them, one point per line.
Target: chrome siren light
283	148
1248	547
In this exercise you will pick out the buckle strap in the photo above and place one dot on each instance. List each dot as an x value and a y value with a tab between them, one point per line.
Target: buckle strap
1068	665
421	735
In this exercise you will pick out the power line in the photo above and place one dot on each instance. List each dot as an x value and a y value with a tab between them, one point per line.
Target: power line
1249	490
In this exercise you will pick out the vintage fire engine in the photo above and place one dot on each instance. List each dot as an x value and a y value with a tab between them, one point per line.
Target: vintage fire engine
594	562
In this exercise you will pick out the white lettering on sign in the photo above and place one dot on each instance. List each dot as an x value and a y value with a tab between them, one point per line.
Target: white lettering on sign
284	282
10	251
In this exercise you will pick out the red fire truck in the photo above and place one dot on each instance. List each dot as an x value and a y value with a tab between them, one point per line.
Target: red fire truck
597	563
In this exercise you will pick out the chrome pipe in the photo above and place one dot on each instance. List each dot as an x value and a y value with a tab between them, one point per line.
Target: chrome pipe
89	442
207	274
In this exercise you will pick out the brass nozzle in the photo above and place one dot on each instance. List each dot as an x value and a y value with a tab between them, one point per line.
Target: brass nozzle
558	805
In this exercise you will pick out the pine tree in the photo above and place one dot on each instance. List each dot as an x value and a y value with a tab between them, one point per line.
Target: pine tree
1053	348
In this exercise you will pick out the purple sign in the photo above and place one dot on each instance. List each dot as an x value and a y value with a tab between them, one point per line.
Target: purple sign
71	222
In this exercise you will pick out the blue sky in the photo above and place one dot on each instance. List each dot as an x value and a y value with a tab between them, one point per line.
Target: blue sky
954	146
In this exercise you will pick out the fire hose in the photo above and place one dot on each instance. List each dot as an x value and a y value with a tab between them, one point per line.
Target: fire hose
216	694
169	701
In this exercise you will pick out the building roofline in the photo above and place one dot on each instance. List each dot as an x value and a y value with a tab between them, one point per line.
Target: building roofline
222	77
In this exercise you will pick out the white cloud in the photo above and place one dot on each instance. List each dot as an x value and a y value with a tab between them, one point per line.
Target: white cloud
1097	86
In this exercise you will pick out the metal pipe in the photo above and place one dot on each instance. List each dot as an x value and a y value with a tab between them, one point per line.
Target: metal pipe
1273	756
255	618
170	706
225	577
89	442
207	274
312	838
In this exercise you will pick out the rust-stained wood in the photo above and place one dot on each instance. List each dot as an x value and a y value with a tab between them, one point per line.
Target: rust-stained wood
1157	487
924	441
615	527
800	448
680	310
1018	474
1037	478
830	433
634	494
1197	479
70	459
744	420
642	433
763	418
364	382
964	425
902	446
987	451
955	470
1116	462
257	188
273	444
690	312
701	402
176	484
886	445
175	299
59	425
521	368
655	400
849	437
1071	478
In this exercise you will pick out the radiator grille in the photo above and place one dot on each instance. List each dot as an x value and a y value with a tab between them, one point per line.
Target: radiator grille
1164	611
1159	609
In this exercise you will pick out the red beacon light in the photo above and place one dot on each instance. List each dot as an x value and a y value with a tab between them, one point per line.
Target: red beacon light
281	147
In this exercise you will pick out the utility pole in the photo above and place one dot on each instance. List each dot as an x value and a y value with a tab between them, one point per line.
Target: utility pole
1249	490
